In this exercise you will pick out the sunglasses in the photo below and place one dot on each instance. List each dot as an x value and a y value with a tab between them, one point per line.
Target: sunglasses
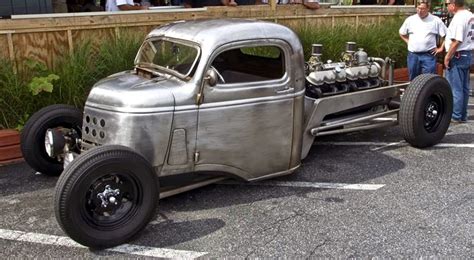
446	4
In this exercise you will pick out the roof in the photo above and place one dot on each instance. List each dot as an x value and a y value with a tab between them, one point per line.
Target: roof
213	33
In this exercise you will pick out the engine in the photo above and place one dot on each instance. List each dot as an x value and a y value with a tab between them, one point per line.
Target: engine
355	72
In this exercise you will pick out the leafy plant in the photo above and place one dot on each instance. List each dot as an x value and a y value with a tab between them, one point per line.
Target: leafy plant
378	40
26	90
40	84
14	95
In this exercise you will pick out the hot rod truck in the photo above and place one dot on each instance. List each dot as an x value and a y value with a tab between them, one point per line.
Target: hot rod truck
216	98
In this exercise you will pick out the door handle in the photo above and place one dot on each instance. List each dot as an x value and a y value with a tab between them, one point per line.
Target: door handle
285	91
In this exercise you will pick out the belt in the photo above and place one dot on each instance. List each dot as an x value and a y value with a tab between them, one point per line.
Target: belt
461	53
421	52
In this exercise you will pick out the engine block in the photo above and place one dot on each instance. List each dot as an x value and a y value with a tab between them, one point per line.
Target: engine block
356	71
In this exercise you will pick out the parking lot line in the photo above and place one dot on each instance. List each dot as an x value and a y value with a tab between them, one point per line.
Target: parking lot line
126	248
318	185
401	143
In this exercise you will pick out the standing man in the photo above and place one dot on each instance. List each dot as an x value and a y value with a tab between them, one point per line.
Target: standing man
420	31
122	5
459	43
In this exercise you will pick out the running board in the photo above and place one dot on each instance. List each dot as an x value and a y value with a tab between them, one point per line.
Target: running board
323	130
191	186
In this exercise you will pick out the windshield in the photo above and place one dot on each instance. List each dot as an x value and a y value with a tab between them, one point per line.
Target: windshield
169	55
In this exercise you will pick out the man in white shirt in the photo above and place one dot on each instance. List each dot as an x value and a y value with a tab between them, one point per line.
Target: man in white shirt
122	5
421	31
459	44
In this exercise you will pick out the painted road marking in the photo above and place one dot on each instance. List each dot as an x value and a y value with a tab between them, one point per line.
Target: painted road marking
318	185
126	248
385	144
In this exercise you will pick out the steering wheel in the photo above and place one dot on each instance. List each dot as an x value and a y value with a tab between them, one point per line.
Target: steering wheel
219	76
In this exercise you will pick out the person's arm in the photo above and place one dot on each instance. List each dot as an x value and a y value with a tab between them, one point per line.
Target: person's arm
442	34
439	49
123	5
404	31
391	2
404	38
452	50
128	7
229	2
311	4
187	4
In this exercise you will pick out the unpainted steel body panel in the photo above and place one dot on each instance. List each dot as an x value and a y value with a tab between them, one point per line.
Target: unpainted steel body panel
130	93
317	109
248	128
184	133
143	132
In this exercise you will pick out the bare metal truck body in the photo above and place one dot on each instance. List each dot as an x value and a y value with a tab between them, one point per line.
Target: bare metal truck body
226	98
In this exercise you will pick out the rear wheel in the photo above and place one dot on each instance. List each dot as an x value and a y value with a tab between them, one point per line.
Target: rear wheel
106	196
425	111
55	121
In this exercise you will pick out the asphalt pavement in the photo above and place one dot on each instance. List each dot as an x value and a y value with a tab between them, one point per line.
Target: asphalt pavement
359	195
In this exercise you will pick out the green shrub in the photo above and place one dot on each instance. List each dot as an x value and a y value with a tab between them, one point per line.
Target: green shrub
26	91
15	98
378	40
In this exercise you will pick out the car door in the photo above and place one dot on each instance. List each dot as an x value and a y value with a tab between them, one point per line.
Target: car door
245	121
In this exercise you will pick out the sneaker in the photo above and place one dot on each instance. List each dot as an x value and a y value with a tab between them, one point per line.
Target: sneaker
456	122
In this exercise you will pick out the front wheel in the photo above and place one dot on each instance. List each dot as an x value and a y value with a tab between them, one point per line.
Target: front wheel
61	123
106	196
425	110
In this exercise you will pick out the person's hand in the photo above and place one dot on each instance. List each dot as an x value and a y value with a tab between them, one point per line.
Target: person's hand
232	3
437	51
446	62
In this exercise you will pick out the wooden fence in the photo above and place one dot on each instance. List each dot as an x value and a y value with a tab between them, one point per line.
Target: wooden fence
47	37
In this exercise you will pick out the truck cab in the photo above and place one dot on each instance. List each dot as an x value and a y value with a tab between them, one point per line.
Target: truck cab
214	95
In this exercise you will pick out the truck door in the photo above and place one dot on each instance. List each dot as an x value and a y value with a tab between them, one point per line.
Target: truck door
245	121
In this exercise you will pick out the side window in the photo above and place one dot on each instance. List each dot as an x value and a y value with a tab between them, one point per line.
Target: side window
250	64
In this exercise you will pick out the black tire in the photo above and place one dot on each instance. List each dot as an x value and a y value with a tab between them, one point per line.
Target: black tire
80	211
33	136
421	127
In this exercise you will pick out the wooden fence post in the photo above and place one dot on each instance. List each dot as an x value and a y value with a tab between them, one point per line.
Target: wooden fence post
11	52
69	41
273	4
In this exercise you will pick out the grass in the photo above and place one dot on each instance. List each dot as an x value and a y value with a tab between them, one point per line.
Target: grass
78	71
14	96
380	40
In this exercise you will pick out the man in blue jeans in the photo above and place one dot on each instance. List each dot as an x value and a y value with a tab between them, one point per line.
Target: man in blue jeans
459	44
420	31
